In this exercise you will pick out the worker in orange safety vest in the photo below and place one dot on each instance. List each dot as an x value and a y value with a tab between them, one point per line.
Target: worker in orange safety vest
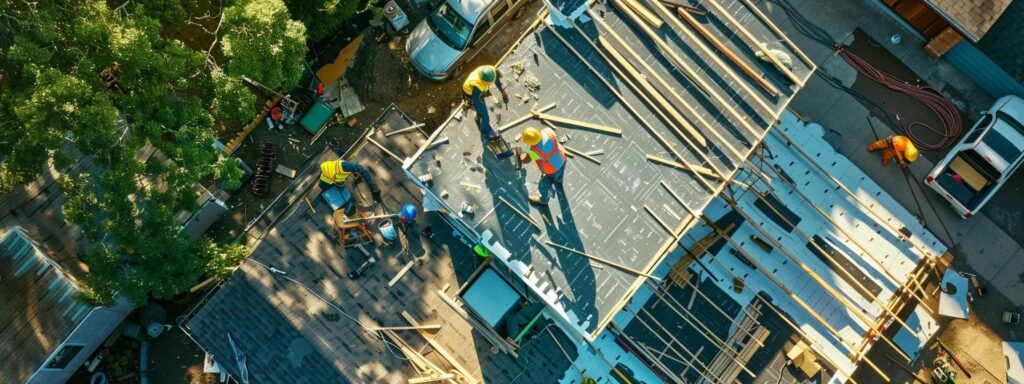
546	151
897	146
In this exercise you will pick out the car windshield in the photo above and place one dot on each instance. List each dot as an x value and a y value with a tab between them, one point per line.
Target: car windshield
1001	144
450	26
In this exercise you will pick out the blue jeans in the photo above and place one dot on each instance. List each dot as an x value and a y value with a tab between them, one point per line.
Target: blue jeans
548	181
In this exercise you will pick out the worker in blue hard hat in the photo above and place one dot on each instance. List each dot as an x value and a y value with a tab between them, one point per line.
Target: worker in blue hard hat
336	172
476	86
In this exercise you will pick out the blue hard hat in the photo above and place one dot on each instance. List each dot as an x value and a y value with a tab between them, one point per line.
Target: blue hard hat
408	213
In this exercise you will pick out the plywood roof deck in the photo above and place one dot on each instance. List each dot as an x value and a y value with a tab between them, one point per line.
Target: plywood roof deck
618	209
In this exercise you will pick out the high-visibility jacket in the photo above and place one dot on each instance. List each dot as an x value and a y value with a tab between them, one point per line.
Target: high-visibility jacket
331	172
548	153
897	144
474	81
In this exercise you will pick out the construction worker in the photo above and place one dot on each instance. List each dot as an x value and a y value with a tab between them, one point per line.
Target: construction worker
476	86
336	172
547	153
895	146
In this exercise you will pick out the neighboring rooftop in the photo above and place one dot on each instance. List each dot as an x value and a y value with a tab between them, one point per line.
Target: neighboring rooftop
292	334
39	308
616	209
972	17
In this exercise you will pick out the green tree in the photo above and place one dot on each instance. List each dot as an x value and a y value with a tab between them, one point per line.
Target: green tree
322	17
261	41
51	56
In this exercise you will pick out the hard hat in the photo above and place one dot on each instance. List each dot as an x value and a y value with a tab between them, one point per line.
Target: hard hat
911	153
408	213
487	74
531	136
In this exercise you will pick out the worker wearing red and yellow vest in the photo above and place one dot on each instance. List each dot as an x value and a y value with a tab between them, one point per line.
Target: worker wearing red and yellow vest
476	86
336	172
897	146
546	151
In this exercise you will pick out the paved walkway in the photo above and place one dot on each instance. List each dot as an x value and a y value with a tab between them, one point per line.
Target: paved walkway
981	244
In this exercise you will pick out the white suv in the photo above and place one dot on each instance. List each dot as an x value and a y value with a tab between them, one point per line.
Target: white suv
984	159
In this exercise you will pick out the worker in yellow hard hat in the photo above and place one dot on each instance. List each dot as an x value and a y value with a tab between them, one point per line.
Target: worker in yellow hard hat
336	172
897	146
546	151
476	86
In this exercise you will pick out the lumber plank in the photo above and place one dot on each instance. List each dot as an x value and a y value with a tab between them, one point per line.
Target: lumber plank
686	167
581	154
689	71
728	53
525	117
645	13
428	326
756	96
440	349
432	379
577	123
602	260
606	30
629	107
647	88
382	148
754	43
519	212
402	272
404	130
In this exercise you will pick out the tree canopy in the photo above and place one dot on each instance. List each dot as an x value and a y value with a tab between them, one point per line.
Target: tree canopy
322	17
72	70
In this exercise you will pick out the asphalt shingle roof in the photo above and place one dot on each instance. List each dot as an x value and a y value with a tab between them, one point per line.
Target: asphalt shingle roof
976	16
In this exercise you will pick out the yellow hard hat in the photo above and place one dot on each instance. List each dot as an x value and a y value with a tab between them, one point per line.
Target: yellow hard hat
531	136
911	153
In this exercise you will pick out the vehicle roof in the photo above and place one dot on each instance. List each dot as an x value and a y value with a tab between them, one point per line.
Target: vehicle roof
470	9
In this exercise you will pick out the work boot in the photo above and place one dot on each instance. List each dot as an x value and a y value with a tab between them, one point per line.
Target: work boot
535	200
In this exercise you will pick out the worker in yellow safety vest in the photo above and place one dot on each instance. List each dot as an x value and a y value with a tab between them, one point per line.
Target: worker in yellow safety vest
476	86
897	146
336	172
546	151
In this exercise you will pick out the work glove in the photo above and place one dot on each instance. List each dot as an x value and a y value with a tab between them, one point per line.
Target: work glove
504	97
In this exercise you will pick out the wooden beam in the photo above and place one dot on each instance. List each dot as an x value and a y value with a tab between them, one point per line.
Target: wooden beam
856	310
577	123
796	299
602	260
754	43
382	148
645	13
690	72
614	91
727	52
581	154
685	167
401	273
691	112
831	259
428	326
432	379
520	212
658	99
757	97
403	130
525	117
440	349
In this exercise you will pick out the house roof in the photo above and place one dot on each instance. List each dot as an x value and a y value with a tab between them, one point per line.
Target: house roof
39	309
292	334
972	17
617	210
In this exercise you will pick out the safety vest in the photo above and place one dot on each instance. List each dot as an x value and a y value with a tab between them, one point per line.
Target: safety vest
474	80
331	172
549	152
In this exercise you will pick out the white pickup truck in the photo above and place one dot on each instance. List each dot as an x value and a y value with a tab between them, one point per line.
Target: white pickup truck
980	164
